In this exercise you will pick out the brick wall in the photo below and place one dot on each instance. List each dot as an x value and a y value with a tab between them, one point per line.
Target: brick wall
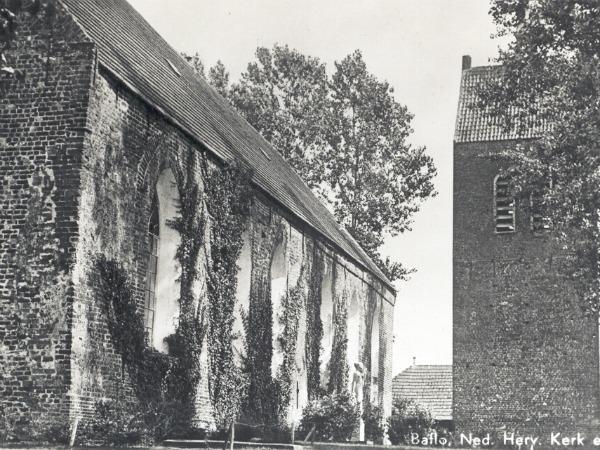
524	354
42	126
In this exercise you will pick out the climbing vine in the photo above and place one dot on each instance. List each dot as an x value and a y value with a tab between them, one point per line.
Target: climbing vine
158	379
125	323
261	403
227	199
164	384
186	343
314	325
291	307
338	364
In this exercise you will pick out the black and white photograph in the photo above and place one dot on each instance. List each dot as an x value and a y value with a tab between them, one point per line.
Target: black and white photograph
300	224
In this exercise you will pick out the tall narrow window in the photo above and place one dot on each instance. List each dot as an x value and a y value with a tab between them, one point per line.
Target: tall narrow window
504	206
150	291
540	221
375	357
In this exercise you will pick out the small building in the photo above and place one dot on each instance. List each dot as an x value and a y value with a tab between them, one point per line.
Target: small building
429	387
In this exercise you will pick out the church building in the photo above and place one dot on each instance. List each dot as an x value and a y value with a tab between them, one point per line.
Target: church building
525	354
121	179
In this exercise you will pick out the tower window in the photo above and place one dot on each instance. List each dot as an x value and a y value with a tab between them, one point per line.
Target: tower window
150	289
504	206
540	222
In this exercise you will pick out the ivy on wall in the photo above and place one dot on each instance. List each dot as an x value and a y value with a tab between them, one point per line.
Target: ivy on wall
291	308
186	343
164	384
314	325
261	402
125	324
158	380
227	199
338	364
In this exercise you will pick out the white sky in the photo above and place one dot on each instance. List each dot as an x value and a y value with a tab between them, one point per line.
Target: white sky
417	46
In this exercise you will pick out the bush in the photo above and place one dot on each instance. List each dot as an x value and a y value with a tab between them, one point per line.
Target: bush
335	417
114	424
407	417
373	418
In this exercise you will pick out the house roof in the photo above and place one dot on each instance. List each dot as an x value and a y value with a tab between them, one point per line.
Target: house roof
429	386
131	50
476	124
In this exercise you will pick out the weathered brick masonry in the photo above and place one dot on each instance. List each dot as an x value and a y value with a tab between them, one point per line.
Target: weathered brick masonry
43	119
80	155
525	356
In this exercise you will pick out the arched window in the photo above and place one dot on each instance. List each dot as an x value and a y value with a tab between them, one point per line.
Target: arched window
375	357
326	314
504	206
353	330
161	306
244	278
278	292
150	289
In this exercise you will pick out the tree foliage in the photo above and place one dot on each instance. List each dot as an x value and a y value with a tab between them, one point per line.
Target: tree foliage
283	94
344	134
407	417
376	179
334	417
551	74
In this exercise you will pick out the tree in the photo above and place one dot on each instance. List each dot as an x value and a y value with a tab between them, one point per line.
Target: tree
375	178
407	418
550	74
218	77
345	135
283	94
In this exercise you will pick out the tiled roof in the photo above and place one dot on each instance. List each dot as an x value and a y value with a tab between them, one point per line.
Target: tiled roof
130	49
475	124
430	387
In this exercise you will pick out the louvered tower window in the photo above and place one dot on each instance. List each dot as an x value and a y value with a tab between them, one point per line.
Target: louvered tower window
150	289
540	222
504	206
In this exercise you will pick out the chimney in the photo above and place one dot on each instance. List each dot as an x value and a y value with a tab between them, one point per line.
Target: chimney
466	62
414	360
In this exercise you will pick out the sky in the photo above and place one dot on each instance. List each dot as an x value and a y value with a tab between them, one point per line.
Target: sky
417	46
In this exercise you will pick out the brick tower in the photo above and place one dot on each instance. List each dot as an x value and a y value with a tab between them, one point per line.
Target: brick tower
525	356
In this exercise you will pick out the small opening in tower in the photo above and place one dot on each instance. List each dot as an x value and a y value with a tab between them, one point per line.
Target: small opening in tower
504	206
